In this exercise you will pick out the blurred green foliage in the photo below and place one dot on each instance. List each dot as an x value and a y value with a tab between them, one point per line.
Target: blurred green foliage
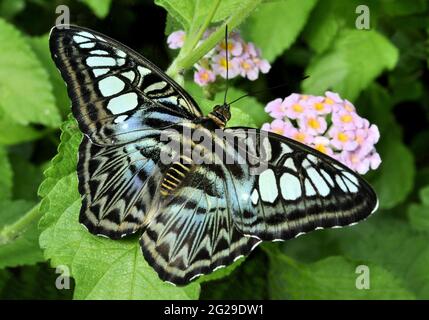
383	71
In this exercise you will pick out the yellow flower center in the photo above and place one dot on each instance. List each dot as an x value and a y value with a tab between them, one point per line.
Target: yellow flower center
245	65
320	147
313	123
343	137
223	46
299	136
223	62
319	106
346	118
278	131
205	76
297	107
329	101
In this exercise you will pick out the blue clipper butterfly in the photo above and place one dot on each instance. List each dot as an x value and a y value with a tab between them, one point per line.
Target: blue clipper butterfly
193	217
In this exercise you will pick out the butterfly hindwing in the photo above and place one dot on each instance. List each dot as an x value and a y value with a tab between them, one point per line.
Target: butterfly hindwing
193	232
296	189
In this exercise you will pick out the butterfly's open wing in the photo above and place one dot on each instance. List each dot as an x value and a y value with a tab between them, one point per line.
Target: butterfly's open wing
122	102
116	93
292	188
192	233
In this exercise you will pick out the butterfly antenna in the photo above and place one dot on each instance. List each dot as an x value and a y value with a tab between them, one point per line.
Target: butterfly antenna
227	63
263	90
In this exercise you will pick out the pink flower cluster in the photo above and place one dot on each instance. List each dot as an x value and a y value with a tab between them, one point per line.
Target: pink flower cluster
329	124
244	59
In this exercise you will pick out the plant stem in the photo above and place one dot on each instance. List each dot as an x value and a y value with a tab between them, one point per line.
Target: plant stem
188	57
10	232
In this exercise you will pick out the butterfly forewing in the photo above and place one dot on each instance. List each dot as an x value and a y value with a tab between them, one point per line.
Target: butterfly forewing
294	189
116	94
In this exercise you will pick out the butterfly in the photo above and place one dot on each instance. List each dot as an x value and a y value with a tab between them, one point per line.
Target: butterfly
193	218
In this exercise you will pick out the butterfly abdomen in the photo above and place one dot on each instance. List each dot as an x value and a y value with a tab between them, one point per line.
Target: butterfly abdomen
175	174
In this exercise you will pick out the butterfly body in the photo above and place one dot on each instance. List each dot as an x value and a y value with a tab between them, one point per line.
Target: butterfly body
200	194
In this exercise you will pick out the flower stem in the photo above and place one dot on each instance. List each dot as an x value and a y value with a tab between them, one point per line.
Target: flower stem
188	57
10	232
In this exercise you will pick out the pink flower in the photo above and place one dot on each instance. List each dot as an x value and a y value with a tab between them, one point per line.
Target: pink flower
343	140
277	126
329	124
299	135
276	108
176	39
321	144
347	120
319	106
248	69
204	76
295	106
235	48
313	124
220	63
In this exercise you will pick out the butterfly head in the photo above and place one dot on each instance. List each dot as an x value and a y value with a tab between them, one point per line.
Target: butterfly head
220	114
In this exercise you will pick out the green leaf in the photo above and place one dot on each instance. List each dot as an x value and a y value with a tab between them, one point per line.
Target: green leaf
102	268
99	7
354	60
8	9
27	178
32	282
247	282
189	12
392	244
330	278
24	249
418	214
13	133
40	46
22	78
328	18
395	177
402	8
285	18
6	175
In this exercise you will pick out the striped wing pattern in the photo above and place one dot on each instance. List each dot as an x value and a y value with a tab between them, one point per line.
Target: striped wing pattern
217	212
299	190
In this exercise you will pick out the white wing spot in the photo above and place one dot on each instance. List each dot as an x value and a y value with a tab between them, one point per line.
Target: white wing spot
100	62
255	196
121	53
341	183
351	177
290	186
268	186
309	190
290	164
286	148
156	86
86	34
110	86
120	119
130	75
352	187
123	103
79	39
100	72
318	181
120	62
327	177
99	52
312	158
87	45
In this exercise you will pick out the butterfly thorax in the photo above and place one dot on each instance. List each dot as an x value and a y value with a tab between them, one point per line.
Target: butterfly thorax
220	115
